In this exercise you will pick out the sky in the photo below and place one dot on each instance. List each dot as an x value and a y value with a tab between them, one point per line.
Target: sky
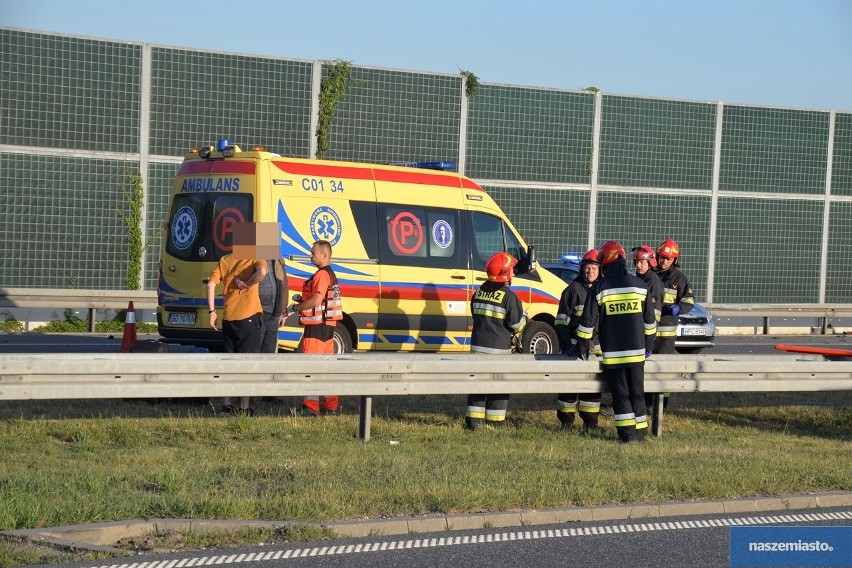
781	53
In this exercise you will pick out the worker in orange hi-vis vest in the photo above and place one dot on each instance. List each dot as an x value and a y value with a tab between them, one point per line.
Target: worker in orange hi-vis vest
319	309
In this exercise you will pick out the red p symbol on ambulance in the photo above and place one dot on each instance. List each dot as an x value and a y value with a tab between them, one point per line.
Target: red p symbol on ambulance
407	232
223	227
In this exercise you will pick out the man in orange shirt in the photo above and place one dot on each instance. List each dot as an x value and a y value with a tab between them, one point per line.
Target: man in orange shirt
319	310
242	312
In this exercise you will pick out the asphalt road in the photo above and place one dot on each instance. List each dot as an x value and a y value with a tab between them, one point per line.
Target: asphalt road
697	541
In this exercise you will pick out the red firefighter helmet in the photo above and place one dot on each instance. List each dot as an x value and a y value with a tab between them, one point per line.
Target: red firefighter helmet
499	267
590	257
668	249
610	251
645	252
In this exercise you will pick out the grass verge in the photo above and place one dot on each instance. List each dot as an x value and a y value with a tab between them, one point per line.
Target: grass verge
73	462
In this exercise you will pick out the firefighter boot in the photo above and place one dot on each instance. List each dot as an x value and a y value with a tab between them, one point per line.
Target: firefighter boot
566	419
590	420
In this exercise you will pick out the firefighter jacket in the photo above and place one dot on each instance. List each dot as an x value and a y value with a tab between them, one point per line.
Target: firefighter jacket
676	290
619	305
498	314
330	311
570	309
655	292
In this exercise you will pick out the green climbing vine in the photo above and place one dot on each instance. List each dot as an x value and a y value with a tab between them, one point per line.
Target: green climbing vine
135	197
471	82
590	160
337	81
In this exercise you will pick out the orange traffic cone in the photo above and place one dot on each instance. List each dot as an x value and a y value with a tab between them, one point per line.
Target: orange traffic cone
129	330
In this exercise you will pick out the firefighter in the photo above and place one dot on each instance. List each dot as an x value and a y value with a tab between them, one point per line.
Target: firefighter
677	295
618	304
498	317
568	316
645	262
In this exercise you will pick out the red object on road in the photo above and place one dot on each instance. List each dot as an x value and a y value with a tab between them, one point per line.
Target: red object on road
129	336
829	352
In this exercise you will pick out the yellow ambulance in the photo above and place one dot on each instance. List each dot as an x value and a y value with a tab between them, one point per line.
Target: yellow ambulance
409	246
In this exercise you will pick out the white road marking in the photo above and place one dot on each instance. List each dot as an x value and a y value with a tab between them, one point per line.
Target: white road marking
385	545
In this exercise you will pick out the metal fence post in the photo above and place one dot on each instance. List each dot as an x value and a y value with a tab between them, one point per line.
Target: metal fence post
366	412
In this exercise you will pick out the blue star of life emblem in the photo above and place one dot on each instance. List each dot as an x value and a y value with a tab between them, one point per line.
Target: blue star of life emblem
184	228
325	225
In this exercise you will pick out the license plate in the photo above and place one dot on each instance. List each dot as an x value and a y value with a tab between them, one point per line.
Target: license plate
693	331
182	319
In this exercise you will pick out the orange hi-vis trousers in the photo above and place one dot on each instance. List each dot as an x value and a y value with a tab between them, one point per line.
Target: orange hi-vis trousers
312	403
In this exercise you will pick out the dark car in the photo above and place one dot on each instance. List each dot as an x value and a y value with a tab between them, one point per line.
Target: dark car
695	329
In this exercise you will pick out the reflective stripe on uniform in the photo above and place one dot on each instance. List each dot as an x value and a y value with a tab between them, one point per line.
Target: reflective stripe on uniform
495	415
334	309
650	328
628	293
590	406
584	332
667	331
641	422
490	310
620	357
475	412
566	407
623	360
625	420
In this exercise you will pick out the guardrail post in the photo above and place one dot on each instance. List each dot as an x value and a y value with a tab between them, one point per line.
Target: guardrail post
93	316
364	419
657	415
766	325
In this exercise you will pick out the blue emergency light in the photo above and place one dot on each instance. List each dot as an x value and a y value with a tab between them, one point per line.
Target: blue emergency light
574	258
445	166
224	146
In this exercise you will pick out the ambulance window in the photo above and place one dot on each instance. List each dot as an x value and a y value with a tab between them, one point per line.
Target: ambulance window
421	236
490	235
364	213
513	245
202	224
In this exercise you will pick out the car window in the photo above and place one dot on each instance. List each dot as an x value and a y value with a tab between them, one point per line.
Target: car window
490	235
566	273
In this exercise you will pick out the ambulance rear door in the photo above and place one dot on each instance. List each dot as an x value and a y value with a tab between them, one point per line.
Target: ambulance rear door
208	200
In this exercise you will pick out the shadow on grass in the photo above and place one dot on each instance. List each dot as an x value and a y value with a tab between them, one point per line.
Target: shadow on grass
824	415
827	414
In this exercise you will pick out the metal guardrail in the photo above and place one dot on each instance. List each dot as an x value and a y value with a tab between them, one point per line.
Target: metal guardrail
826	312
143	375
117	299
92	300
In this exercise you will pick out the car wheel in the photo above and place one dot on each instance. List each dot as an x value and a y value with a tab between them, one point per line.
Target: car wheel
539	338
688	350
342	339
